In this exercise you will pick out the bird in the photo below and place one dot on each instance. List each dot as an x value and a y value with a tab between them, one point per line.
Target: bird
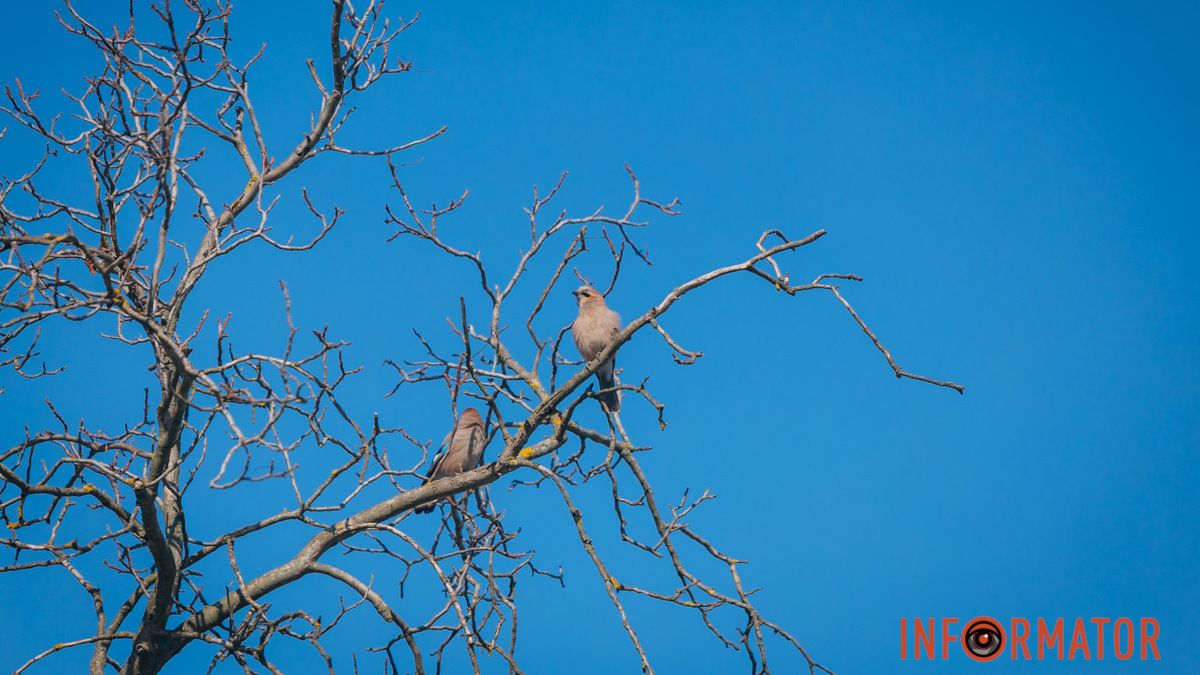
593	331
462	450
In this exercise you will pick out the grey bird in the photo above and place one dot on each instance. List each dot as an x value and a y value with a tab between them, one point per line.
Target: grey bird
593	331
462	450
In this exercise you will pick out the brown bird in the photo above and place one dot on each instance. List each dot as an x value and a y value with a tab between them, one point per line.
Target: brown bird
462	450
593	331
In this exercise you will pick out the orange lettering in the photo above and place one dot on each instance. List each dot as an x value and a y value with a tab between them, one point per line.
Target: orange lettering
922	638
1123	654
1050	639
947	637
1019	637
1079	641
1150	637
1100	622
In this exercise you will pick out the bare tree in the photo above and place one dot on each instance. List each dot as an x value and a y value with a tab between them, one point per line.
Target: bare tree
169	100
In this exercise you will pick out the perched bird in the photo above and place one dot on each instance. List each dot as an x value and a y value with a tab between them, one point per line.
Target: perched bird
593	330
462	450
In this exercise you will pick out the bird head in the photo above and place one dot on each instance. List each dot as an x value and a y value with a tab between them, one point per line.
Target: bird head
470	416
586	296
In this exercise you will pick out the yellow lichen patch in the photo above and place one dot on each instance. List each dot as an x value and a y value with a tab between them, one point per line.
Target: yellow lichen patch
89	488
526	453
557	420
615	584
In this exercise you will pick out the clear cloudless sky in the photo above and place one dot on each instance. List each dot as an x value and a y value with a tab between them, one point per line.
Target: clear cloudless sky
1017	183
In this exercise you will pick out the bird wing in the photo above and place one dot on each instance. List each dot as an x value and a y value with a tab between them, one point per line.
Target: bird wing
438	459
433	468
478	441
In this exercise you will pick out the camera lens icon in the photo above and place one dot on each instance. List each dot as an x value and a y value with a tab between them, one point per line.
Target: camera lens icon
983	639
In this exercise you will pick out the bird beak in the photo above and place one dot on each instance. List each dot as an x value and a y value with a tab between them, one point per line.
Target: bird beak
575	293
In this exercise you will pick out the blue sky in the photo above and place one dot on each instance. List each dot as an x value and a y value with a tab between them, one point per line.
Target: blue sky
1016	183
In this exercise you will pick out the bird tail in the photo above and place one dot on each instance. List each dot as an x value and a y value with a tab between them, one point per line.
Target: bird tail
610	399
